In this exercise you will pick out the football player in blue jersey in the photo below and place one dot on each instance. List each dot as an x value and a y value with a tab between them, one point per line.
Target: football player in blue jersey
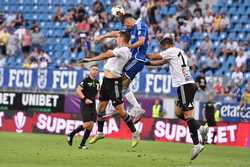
138	45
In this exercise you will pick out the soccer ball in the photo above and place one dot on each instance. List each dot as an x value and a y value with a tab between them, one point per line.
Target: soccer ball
117	11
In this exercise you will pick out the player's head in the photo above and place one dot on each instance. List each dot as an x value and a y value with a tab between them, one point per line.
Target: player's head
166	43
128	20
123	38
93	71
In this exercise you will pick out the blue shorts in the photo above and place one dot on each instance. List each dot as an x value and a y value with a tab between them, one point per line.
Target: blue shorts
133	67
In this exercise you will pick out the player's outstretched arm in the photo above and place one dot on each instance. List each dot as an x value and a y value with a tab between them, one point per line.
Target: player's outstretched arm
157	62
112	34
154	56
138	43
103	56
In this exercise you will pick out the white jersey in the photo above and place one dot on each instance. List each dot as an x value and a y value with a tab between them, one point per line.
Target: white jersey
179	70
116	64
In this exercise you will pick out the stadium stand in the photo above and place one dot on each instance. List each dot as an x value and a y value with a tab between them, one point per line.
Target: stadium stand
67	28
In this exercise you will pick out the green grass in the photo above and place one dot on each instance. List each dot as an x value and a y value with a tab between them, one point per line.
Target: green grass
36	150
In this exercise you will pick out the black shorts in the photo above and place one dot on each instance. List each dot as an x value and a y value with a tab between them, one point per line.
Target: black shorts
186	95
88	112
111	89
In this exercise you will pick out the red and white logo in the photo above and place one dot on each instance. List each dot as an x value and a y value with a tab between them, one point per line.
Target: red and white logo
20	120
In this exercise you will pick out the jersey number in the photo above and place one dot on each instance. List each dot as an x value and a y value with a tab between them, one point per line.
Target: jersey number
183	61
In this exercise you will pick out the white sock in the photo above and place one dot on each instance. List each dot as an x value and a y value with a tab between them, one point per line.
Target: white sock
131	99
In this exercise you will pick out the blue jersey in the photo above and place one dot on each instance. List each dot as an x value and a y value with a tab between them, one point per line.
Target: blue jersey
140	29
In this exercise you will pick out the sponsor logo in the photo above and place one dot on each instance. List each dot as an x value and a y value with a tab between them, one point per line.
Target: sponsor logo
172	132
175	132
7	98
41	100
158	83
20	120
64	79
42	78
231	111
20	78
60	125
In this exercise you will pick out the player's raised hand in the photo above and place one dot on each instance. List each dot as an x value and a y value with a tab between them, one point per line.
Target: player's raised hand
98	38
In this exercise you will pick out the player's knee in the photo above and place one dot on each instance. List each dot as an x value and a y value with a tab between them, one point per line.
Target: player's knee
89	125
178	111
188	114
119	108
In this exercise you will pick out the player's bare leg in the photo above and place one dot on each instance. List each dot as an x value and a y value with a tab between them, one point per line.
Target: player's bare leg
132	100
179	113
100	122
126	117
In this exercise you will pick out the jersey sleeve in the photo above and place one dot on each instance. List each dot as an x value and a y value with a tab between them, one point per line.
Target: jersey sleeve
83	84
119	51
142	30
166	55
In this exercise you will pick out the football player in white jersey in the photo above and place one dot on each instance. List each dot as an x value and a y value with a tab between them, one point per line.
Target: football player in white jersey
111	88
186	88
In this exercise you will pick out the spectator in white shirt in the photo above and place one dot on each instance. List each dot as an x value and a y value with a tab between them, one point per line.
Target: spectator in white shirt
208	21
198	22
237	76
241	58
232	47
20	32
225	22
187	26
44	59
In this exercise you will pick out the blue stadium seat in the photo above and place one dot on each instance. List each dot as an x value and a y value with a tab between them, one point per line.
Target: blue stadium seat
234	19
232	10
241	10
232	36
244	19
241	37
238	28
247	28
248	10
216	8
197	36
214	36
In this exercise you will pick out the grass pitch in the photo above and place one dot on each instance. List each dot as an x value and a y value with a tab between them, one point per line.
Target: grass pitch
37	150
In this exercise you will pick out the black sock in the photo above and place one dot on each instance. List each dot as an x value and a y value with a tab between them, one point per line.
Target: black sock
181	116
100	121
100	125
85	137
193	130
214	134
129	123
77	130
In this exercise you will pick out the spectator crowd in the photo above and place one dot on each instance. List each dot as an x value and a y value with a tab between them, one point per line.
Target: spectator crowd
191	24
